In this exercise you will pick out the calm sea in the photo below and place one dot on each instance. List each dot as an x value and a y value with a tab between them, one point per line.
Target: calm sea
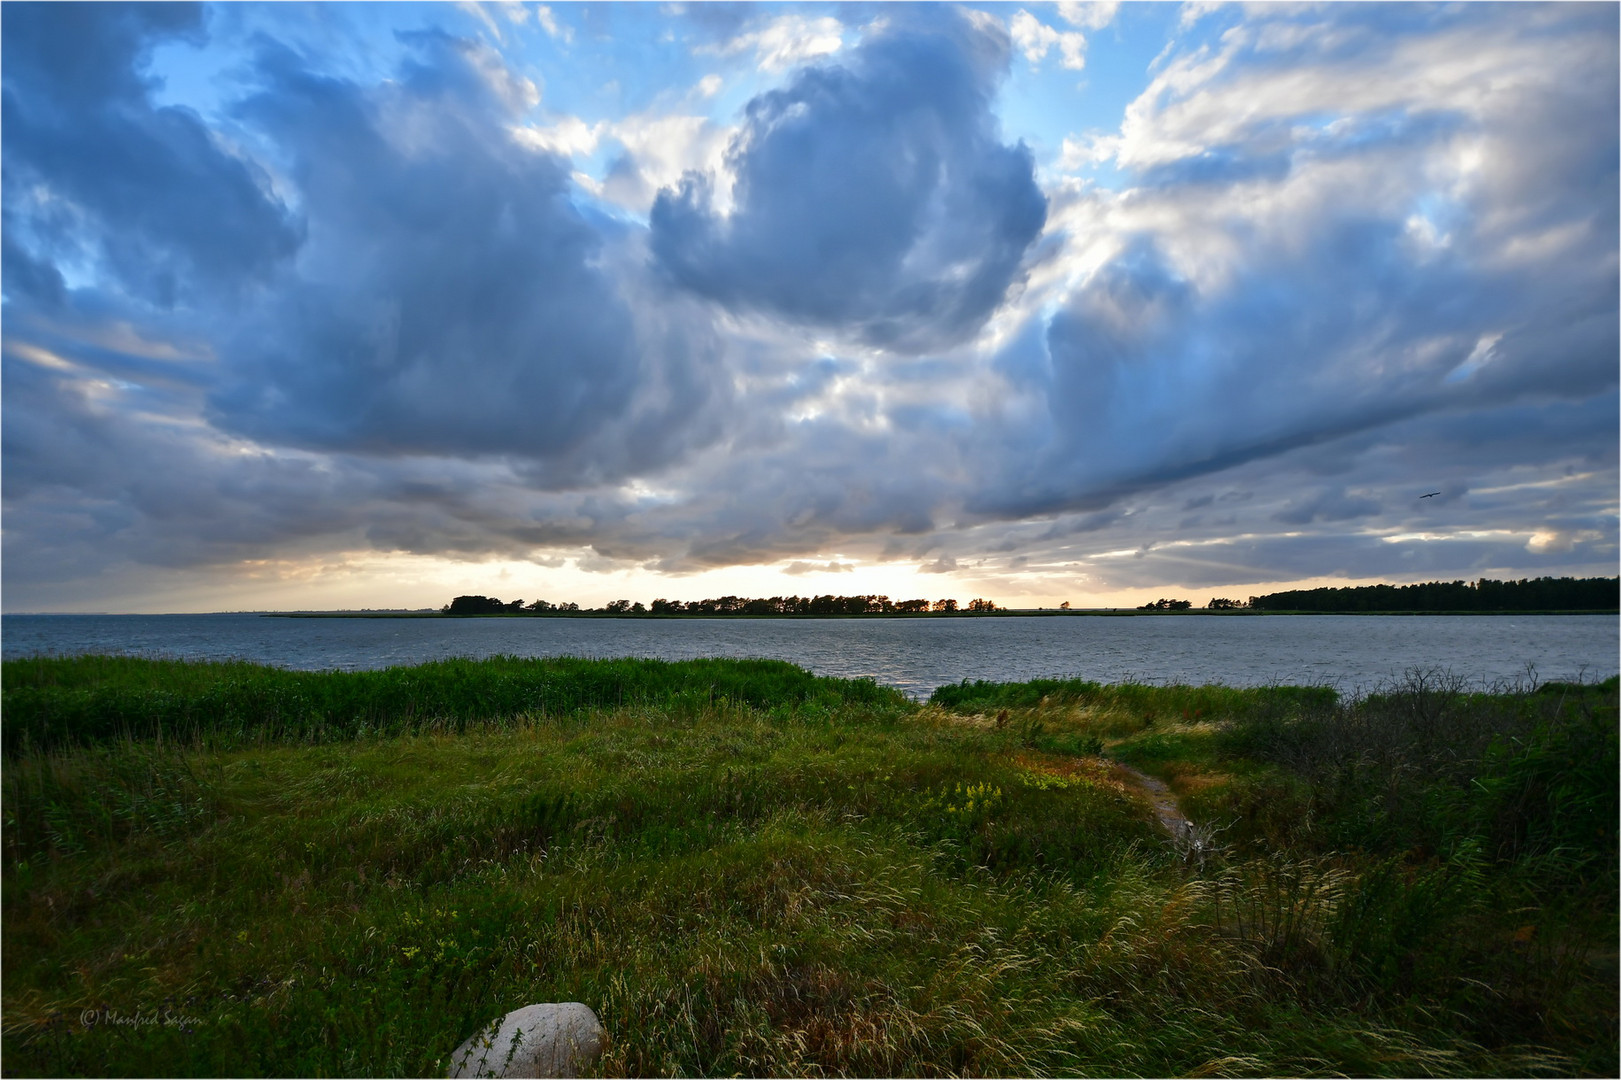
1353	653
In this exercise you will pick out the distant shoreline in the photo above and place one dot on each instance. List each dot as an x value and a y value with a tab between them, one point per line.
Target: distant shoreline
1022	613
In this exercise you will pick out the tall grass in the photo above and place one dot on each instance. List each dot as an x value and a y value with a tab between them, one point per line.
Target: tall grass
1423	851
56	701
1174	700
826	881
1528	775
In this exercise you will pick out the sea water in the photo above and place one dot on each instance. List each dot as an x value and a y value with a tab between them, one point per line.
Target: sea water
1354	653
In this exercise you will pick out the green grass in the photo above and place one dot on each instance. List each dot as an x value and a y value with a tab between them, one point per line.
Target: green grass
1459	849
52	701
795	876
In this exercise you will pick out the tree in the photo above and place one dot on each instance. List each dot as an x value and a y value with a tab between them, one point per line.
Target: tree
1542	594
982	605
1064	606
945	605
1221	603
475	605
617	607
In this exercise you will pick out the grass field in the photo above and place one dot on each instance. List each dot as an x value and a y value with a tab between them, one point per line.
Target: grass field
234	870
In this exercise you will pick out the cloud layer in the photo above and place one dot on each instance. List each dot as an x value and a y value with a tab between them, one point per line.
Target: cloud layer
98	177
1328	260
873	200
446	281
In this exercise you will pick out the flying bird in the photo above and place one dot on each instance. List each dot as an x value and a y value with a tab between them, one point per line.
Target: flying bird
1431	495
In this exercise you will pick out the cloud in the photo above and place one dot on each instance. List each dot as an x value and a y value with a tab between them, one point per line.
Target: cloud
1308	300
784	42
657	151
478	11
1036	39
451	299
873	200
1260	292
1286	74
832	566
548	22
568	136
655	148
1088	16
89	483
99	179
1349	508
1332	505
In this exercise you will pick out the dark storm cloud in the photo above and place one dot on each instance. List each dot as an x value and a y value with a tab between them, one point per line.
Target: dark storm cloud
1148	381
24	275
805	490
92	484
1328	505
85	484
93	170
873	198
1527	489
449	301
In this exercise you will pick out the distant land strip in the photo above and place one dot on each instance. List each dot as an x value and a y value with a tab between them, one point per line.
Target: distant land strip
1539	596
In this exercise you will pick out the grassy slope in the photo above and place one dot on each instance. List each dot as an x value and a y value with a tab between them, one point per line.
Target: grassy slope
795	876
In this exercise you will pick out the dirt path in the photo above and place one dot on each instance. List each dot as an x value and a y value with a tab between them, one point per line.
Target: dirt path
1170	815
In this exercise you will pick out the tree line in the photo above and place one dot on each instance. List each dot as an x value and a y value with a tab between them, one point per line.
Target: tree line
822	606
1538	594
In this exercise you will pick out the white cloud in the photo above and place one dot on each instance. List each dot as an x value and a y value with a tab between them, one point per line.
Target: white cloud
1478	358
478	11
1079	151
517	91
784	42
1211	98
549	23
1088	16
569	136
1194	10
1036	39
1546	540
659	149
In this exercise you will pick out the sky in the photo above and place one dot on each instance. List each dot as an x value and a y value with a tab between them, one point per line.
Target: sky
323	306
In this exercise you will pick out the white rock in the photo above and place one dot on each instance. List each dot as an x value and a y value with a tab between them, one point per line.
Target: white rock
552	1039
